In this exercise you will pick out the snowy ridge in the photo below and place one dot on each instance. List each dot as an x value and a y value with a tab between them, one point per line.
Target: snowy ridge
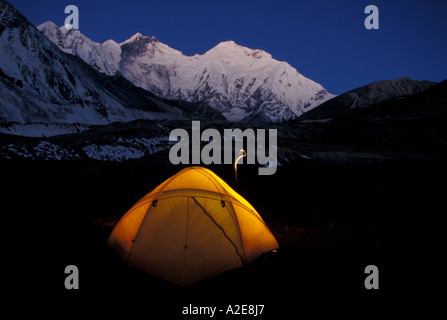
103	57
41	84
239	82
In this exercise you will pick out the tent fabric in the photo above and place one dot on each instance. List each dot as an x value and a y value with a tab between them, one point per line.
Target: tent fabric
192	226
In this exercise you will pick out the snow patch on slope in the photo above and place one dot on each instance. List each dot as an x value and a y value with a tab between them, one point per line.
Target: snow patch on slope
124	149
41	150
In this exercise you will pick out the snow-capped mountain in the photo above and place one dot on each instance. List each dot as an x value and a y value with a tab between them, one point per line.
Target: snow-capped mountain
41	84
103	57
239	82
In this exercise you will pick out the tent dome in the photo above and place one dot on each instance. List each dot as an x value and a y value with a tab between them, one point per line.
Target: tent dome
192	226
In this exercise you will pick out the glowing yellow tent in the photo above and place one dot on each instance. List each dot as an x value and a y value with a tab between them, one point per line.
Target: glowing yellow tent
192	226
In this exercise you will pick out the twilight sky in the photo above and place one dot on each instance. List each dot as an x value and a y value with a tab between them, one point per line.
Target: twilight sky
325	40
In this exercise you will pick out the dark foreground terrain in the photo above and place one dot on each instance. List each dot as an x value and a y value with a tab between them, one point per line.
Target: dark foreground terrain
331	221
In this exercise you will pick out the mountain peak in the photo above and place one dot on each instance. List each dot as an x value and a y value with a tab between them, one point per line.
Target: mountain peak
134	38
49	25
230	47
228	43
137	37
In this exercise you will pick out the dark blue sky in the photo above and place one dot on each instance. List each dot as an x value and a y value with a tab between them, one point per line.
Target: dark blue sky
325	40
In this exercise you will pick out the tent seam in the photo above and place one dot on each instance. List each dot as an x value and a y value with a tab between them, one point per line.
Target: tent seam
221	229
